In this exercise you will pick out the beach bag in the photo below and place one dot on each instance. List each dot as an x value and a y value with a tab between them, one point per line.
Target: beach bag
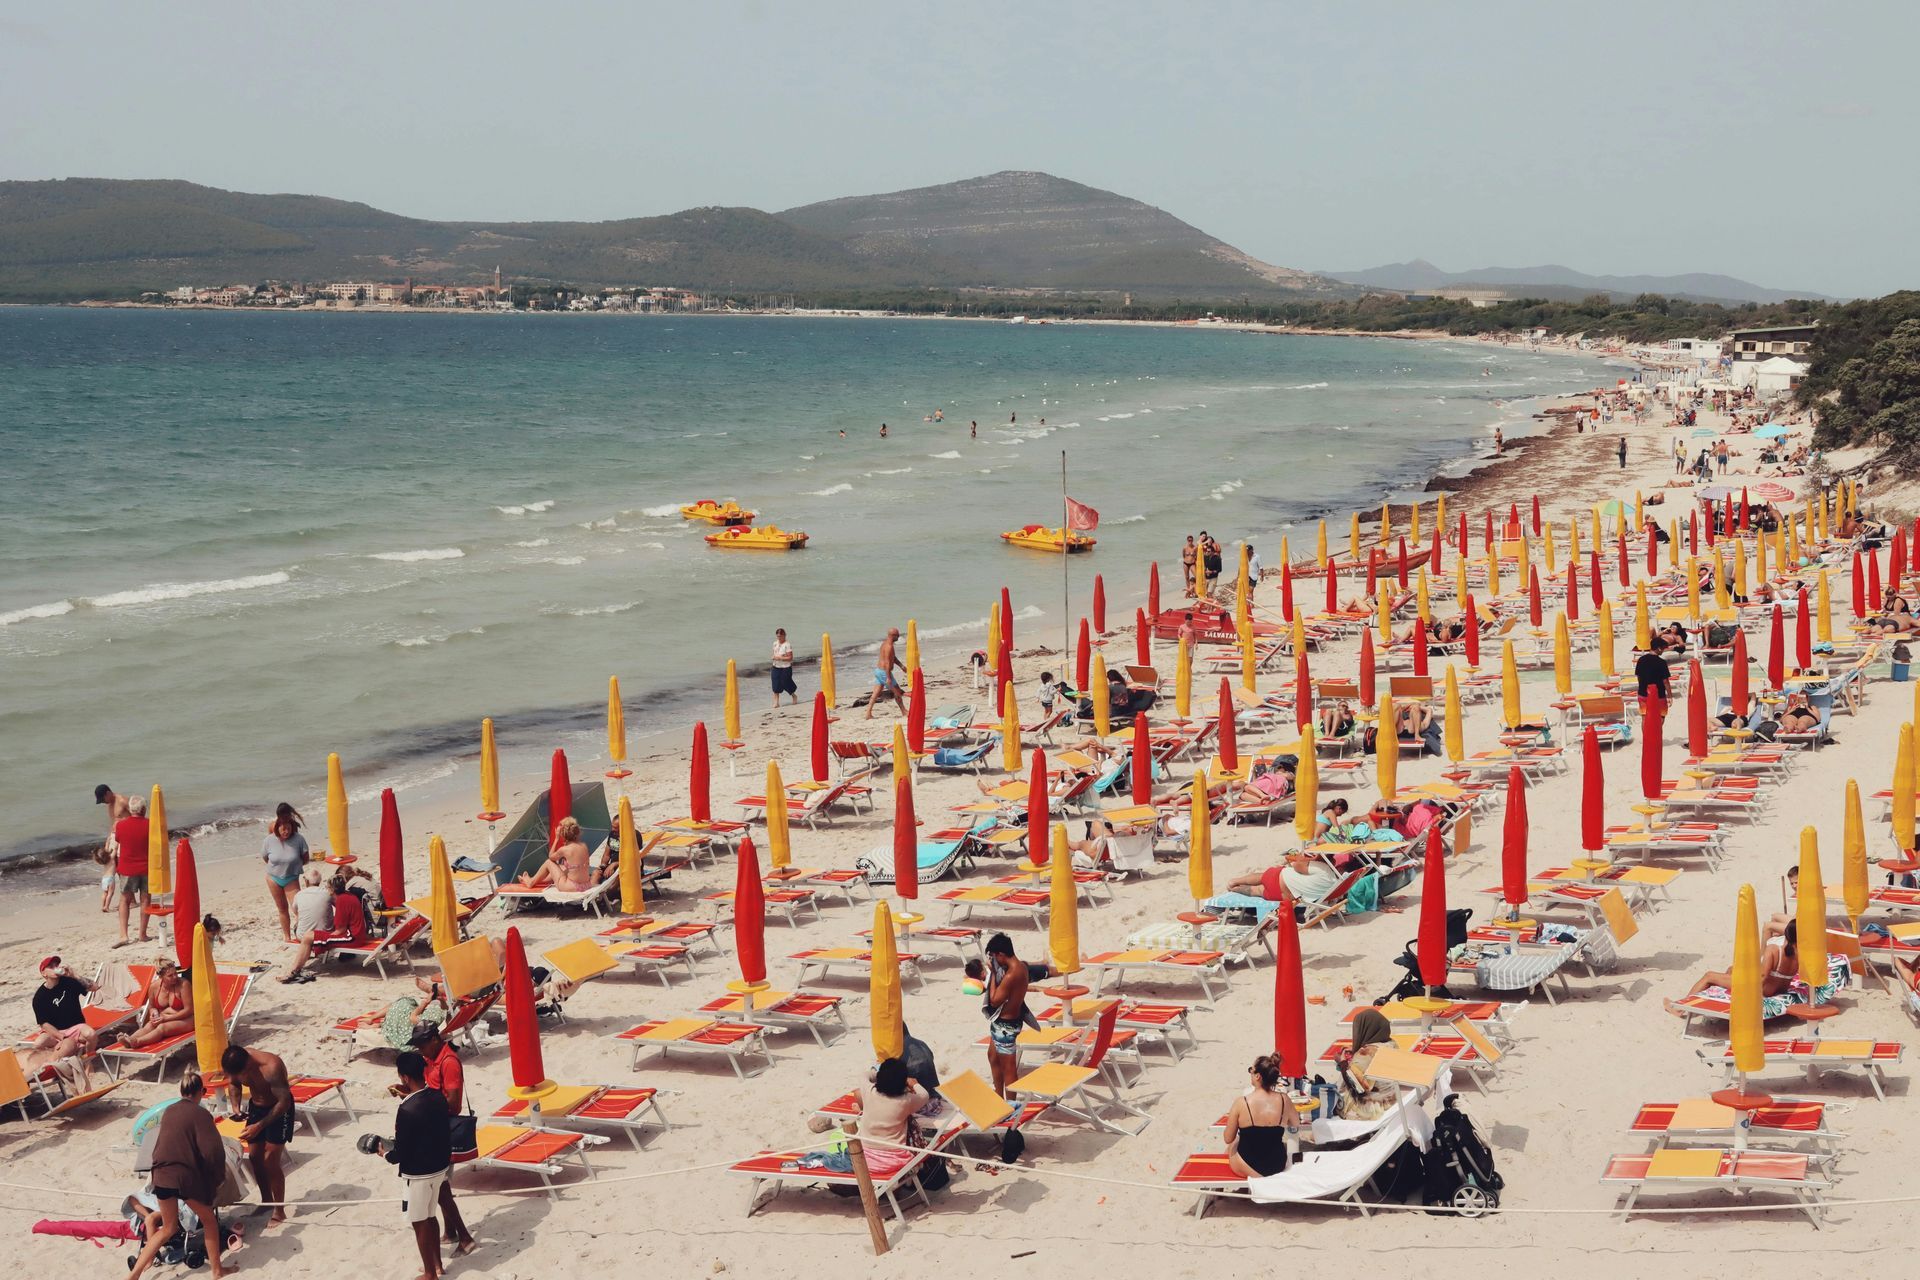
1013	1145
1369	740
463	1135
1402	1175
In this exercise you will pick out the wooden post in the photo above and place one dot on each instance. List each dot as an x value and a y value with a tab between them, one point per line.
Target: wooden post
869	1202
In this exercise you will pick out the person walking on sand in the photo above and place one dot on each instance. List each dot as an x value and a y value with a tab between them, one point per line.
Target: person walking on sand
422	1152
884	683
285	853
130	866
1679	457
1623	453
1007	981
189	1164
783	669
268	1116
1499	441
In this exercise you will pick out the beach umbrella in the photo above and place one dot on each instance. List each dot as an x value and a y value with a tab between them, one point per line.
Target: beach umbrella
1451	735
1744	1000
1102	699
1435	549
1653	555
1573	539
1729	522
1509	686
1422	597
1367	674
1811	912
1099	604
1776	652
1249	663
1534	614
1493	576
1286	591
1737	682
883	987
1403	564
1229	748
1802	632
489	775
1573	591
617	723
1200	840
902	762
1859	588
1373	571
1693	533
699	801
1460	578
818	752
1722	582
1432	945
1562	657
1876	600
523	1024
1003	678
1604	630
1743	506
1353	536
906	841
1386	523
1141	765
633	892
159	865
1142	639
1386	749
1039	815
1642	623
1010	757
1903	785
559	797
1420	656
443	905
1513	842
1693	590
1320	545
1385	616
1306	786
917	711
1083	657
1653	726
186	902
393	856
337	845
1153	589
1739	570
1006	625
1302	690
1673	544
913	645
1333	590
730	704
779	838
1473	633
1760	560
1593	804
1820	514
209	1027
1523	566
1620	553
1853	858
827	685
1596	592
1063	910
1547	557
749	919
1183	681
993	637
1243	591
1460	536
1696	710
1289	996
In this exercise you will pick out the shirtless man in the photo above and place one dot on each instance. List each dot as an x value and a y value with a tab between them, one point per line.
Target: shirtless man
1007	997
566	867
268	1116
884	684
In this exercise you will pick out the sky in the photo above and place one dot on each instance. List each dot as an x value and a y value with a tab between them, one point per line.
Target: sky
1770	141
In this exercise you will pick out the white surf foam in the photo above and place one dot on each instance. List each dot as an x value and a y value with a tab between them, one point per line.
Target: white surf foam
183	590
35	611
664	509
426	553
1307	386
830	490
949	454
593	612
530	508
534	542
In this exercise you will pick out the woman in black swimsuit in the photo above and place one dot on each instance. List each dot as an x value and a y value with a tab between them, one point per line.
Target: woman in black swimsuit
1259	1122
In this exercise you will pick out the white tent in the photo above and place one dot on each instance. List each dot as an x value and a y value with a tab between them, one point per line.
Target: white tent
1777	375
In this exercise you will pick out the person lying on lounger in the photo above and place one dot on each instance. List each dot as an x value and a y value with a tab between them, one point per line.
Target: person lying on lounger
1267	784
1439	631
1337	720
1300	877
1779	965
566	867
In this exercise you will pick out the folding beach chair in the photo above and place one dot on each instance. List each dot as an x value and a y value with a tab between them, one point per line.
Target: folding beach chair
544	1153
817	1013
1780	1121
1740	1171
781	1169
1317	1177
737	1042
573	1108
1068	1087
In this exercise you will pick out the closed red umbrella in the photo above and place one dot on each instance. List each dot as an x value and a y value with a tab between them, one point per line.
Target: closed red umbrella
1373	570
1153	589
1875	600
1620	548
819	754
1595	592
1003	678
1289	996
1403	562
1433	553
1432	947
1142	765
1652	727
1859	588
916	711
1460	537
1302	692
1367	698
1100	604
1776	652
1534	614
1707	519
1039	838
1573	591
1897	560
906	840
523	1021
1006	621
1486	532
1593	804
1286	591
749	916
1333	589
1743	506
1693	533
699	797
1738	683
186	900
393	857
1653	553
1420	650
1082	658
1229	748
1730	514
1536	515
559	798
1142	639
1513	840
1473	633
1802	633
1696	710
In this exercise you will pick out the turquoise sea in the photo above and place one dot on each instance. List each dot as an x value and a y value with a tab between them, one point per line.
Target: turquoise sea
232	543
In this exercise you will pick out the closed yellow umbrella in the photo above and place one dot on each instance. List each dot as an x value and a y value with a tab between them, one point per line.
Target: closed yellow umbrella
1299	632
1605	625
1673	544
1183	681
1749	1053
1420	596
1739	569
1573	540
1759	560
489	775
159	864
1386	524
1102	705
1853	858
1200	842
826	667
1526	559
1820	512
1413	527
1200	586
1598	540
902	762
1384	598
209	1027
1306	787
1903	782
1243	586
1386	750
633	891
1509	686
1639	509
1063	907
617	725
1562	656
1440	514
883	987
1353	536
1811	912
1453	735
1791	531
1248	677
1286	554
779	841
336	809
1823	620
1546	534
731	708
1722	585
1460	577
913	646
1693	589
1642	624
1493	575
1010	729
444	906
1320	546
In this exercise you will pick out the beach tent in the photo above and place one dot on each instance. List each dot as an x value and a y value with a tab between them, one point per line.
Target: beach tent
1777	376
527	841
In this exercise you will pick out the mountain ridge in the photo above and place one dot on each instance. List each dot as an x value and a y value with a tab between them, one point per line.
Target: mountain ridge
1420	276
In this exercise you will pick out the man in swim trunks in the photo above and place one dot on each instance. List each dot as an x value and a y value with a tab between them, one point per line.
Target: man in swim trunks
1007	997
884	683
269	1118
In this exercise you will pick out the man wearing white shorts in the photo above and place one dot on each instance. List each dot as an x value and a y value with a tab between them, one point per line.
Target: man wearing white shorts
423	1150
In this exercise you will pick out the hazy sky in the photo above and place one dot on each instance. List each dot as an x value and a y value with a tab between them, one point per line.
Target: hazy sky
1772	141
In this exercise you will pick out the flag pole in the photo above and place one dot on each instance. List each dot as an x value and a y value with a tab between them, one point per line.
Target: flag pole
1066	586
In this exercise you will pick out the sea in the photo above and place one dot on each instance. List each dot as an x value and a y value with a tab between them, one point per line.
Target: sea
231	543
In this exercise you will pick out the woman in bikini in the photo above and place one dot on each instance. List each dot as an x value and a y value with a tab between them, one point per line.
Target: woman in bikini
168	1010
566	867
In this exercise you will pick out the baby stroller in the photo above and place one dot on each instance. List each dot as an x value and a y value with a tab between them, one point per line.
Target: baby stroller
1459	1165
1410	984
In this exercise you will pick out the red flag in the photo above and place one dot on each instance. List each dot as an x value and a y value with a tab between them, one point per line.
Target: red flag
1081	518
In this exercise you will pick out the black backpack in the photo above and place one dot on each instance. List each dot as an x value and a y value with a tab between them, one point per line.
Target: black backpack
1460	1174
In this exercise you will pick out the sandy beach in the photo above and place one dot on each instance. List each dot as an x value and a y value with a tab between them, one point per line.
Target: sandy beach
1079	1201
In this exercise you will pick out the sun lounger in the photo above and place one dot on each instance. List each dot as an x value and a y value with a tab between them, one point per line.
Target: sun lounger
309	1090
966	942
1032	903
571	1108
656	958
737	1042
120	1060
545	1153
51	1088
593	898
1205	967
817	1013
1783	1120
396	947
1166	1023
843	881
825	960
1317	1177
1493	1017
686	933
466	1025
1462	1045
1869	1057
1742	1171
782	1169
790	903
1070	1087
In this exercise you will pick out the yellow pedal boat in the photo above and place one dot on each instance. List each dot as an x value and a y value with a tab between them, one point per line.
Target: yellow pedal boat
728	512
765	538
1040	538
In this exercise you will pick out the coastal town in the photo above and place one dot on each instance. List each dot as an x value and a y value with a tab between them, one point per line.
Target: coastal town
408	294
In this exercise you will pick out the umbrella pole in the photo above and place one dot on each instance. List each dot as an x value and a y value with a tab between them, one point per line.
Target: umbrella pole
869	1202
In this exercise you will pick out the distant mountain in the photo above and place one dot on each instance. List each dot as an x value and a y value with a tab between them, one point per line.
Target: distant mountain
1556	282
99	237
